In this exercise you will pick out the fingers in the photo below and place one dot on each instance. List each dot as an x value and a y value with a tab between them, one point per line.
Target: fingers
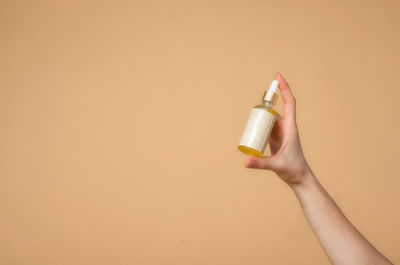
289	102
266	162
278	117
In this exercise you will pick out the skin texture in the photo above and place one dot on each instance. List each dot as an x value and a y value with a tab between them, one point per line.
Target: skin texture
341	241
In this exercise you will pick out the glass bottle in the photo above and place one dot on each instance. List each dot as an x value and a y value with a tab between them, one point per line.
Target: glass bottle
259	125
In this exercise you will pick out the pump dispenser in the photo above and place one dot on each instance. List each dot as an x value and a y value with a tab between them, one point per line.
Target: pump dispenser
259	125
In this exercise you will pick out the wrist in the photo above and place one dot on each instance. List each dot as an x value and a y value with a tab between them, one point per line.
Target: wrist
304	180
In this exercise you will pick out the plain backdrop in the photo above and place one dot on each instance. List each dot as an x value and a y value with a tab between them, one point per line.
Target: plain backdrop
120	122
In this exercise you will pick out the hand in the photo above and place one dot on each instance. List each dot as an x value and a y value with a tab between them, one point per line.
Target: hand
338	237
287	159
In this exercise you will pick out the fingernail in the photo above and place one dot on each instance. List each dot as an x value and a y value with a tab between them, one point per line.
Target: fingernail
251	163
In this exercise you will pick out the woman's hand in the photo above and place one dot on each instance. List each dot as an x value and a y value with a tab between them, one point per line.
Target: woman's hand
287	158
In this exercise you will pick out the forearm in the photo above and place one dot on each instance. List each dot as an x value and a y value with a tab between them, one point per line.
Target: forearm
340	240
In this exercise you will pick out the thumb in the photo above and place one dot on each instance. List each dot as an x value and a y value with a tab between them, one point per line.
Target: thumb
266	162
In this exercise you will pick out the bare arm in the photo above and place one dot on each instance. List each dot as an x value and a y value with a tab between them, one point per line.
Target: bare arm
341	241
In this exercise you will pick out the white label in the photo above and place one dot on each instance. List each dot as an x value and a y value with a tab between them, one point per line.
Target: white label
257	130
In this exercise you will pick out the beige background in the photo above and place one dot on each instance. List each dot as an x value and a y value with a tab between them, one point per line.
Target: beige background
120	121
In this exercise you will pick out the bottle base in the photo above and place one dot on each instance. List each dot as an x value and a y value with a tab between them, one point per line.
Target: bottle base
249	151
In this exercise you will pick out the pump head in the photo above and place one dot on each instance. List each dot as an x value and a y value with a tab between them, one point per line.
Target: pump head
271	94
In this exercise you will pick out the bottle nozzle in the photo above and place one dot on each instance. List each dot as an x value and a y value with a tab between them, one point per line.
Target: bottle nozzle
274	86
271	94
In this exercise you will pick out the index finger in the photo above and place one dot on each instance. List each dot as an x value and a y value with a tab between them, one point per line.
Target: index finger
289	102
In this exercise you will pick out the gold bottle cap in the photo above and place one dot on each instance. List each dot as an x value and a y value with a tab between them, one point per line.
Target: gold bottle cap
270	97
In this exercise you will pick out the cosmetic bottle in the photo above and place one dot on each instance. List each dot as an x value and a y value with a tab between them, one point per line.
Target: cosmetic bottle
259	125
